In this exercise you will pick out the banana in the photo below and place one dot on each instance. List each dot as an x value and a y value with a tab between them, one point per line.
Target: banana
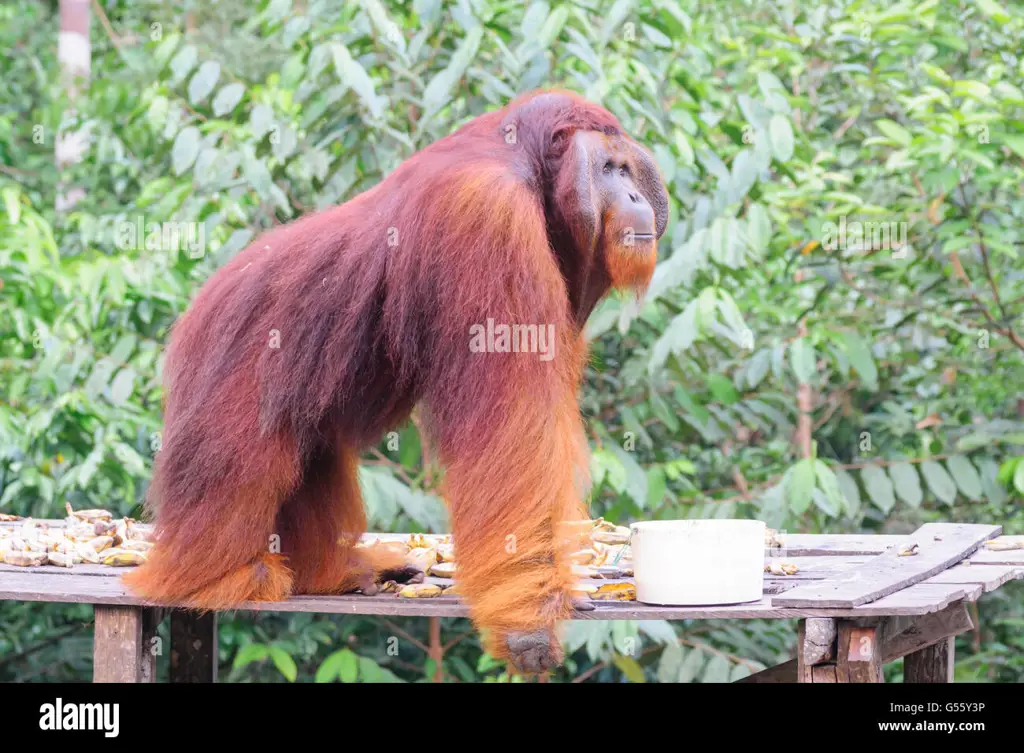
87	553
122	558
611	537
24	559
60	559
133	545
420	591
88	515
443	570
615	592
101	542
424	559
583	557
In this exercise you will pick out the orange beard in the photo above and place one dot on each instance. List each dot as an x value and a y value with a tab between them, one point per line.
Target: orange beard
630	261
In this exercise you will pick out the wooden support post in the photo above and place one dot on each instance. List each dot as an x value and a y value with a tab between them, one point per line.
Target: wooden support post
859	657
931	664
151	619
902	637
118	654
816	650
193	646
780	673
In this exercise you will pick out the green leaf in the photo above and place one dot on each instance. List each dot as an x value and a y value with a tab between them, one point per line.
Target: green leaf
781	135
831	507
329	668
939	481
129	458
994	491
974	441
616	15
1007	469
722	389
966	477
861	359
351	73
894	131
185	150
436	95
829	484
12	203
670	663
973	89
630	668
717	670
285	664
1016	143
851	493
250	653
691	666
182	63
99	378
739	671
879	487
348	666
677	337
659	630
907	483
993	9
758	369
227	99
124	348
759	228
203	82
802	360
636	478
656	485
1018	477
801	486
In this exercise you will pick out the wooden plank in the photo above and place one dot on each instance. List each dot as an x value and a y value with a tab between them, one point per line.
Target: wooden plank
780	673
117	644
831	544
194	647
82	569
925	631
933	664
72	589
940	545
817	567
858	657
988	557
912	600
989	577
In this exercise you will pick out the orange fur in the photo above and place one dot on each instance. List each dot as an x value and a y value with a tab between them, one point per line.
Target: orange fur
324	333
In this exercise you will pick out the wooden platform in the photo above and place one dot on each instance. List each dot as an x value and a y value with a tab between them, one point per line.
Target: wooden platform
849	591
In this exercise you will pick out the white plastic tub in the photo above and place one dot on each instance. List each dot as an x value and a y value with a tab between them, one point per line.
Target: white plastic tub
698	562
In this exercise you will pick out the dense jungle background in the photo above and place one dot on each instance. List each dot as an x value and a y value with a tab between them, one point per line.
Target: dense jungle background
833	341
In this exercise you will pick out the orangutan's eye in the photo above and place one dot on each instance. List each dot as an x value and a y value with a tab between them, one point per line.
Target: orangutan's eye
608	167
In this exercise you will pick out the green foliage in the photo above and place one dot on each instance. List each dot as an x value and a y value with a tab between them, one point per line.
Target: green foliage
846	223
